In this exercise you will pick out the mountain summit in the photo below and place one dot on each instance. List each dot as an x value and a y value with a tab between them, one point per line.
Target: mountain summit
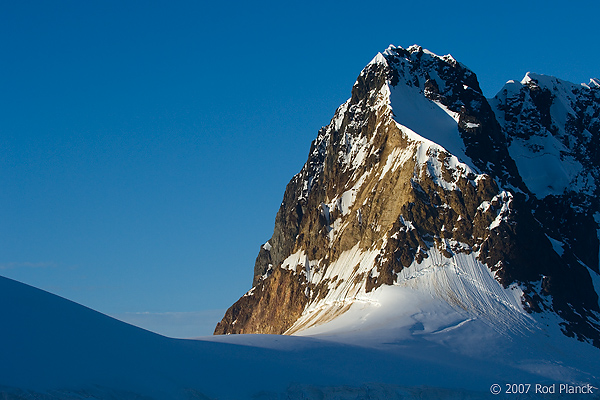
423	193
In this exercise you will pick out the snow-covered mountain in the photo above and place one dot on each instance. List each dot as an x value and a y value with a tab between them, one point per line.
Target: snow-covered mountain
422	191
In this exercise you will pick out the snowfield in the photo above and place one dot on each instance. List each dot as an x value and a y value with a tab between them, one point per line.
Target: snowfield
403	345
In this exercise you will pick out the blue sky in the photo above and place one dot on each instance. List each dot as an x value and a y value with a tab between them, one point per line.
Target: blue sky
145	146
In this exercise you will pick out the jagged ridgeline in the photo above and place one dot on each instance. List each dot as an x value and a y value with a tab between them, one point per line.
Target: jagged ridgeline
419	173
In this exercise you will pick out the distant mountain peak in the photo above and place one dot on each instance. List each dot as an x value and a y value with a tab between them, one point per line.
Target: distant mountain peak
378	59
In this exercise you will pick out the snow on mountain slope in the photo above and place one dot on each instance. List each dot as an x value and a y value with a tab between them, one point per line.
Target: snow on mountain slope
461	281
438	305
426	118
52	348
552	127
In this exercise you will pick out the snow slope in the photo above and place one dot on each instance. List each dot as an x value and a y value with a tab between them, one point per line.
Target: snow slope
540	115
455	303
52	348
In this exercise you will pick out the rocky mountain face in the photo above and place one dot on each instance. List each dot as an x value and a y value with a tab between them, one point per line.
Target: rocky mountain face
417	173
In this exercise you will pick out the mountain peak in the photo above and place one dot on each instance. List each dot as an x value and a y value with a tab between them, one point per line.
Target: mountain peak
378	59
417	51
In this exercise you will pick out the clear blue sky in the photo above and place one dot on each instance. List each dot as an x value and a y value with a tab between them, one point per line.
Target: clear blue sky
145	146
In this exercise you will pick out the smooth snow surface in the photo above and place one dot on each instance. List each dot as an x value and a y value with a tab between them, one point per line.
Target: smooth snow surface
545	173
61	350
428	119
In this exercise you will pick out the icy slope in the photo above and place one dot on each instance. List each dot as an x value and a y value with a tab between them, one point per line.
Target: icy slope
455	305
52	348
552	127
461	282
428	119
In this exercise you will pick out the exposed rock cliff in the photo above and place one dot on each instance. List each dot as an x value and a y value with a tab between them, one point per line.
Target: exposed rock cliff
418	173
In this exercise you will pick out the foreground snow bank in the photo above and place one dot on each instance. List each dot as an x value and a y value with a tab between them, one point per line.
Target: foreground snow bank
52	348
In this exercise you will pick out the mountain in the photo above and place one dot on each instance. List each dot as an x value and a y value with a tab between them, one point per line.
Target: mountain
421	191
